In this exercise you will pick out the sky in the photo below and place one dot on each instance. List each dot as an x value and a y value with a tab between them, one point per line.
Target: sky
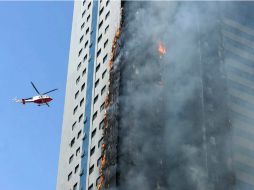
34	46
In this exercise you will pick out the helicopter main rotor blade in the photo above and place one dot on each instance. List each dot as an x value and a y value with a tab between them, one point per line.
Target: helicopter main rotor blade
49	91
35	88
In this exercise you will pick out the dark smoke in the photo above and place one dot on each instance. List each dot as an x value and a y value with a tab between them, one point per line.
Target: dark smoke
174	130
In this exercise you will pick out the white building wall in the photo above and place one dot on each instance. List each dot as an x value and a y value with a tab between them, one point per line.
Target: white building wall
74	109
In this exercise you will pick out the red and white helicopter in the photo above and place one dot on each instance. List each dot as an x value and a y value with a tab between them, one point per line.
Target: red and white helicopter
40	99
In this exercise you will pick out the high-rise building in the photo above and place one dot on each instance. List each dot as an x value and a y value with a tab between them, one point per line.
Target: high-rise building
238	32
94	27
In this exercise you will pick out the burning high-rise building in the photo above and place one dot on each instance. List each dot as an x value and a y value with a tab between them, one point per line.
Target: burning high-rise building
177	114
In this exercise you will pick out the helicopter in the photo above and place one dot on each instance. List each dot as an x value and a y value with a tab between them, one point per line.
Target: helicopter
40	99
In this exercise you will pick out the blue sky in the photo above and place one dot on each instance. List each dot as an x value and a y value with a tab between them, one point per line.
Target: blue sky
34	46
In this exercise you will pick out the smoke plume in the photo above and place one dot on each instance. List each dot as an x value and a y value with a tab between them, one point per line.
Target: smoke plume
174	132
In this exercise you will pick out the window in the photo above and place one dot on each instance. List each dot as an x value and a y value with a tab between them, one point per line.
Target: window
75	110
77	81
99	161
105	58
75	187
80	117
95	99
89	5
84	12
84	2
92	151
88	17
94	115
105	43
91	169
100	142
101	23
82	26
101	10
107	3
91	44
79	134
103	89
90	187
107	15
69	176
94	132
76	95
81	39
86	43
99	52
73	125
81	102
80	51
103	74
83	86
77	152
87	30
71	158
84	72
72	142
106	29
96	83
76	168
98	67
98	181
102	106
85	58
101	125
79	65
99	39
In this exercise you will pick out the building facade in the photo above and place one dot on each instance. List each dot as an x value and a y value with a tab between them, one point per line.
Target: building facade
238	32
94	26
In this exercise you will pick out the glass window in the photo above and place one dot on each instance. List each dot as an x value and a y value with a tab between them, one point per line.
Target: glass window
105	58
81	39
102	106
69	176
99	39
81	102
105	43
73	125
72	142
103	90
80	51
94	132
78	79
107	15
75	187
92	151
103	74
100	142
79	134
96	83
99	52
83	86
79	65
98	67
71	158
75	110
101	23
76	168
106	29
76	95
101	126
95	99
94	115
101	10
80	117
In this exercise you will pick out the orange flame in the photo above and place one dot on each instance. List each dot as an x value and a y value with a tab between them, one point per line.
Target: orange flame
161	49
